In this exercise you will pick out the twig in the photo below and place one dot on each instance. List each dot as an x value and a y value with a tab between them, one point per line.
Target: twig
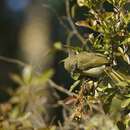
14	61
72	24
57	16
70	36
61	88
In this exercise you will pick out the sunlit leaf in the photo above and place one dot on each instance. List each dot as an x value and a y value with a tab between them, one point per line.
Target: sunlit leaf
43	77
125	103
72	87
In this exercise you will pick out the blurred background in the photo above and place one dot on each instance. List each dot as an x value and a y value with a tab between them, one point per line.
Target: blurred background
28	30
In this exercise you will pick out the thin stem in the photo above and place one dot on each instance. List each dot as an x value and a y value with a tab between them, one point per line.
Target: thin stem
75	31
59	88
14	61
57	16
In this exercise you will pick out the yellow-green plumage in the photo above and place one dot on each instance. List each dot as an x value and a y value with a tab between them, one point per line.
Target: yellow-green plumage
86	62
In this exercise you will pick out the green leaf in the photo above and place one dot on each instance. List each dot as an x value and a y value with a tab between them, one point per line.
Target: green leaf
72	87
58	46
27	74
125	103
126	41
43	77
75	76
17	79
115	109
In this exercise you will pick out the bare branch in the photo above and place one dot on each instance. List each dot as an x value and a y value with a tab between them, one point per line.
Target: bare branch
14	61
75	31
59	88
57	16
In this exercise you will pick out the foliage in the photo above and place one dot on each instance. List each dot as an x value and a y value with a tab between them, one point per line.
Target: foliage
101	69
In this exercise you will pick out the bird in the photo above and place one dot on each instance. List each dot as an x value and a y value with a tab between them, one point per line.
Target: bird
90	64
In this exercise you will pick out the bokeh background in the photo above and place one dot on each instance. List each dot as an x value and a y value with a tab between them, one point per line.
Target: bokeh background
28	30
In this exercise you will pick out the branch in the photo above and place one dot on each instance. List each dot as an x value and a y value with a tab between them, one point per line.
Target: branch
57	16
75	31
59	88
14	61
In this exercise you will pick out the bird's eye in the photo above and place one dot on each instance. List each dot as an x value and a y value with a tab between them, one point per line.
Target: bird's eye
73	67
